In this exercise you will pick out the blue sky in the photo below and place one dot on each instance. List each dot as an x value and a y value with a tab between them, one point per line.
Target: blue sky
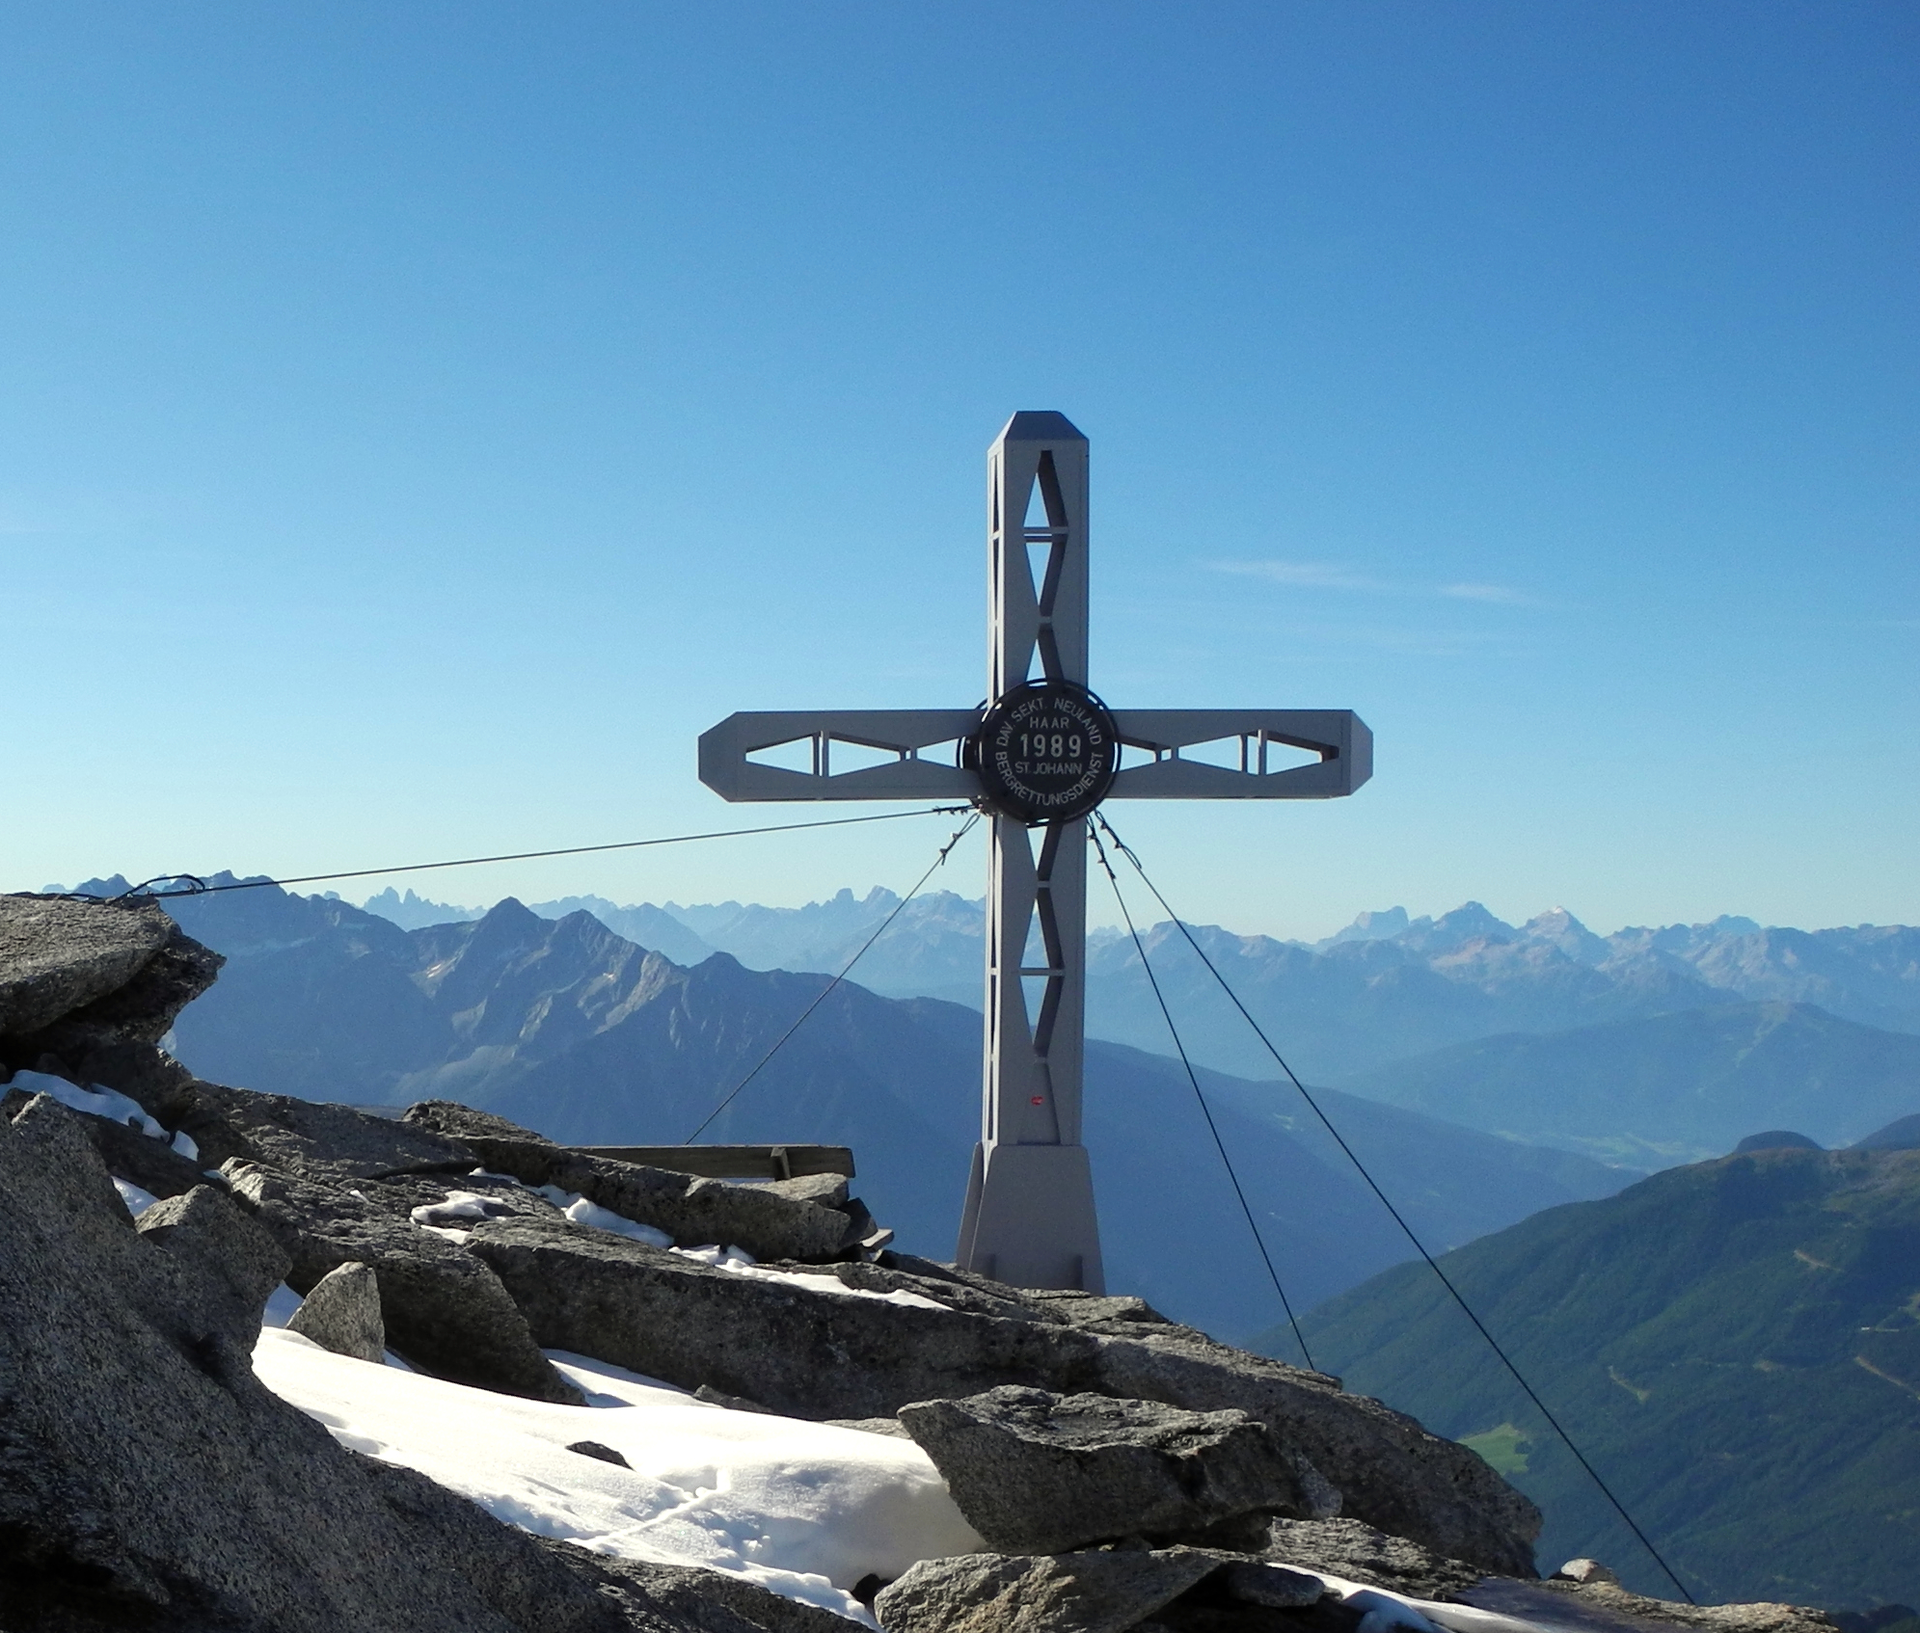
418	422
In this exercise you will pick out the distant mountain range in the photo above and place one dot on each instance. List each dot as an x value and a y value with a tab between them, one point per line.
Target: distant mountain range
575	1031
1386	988
1669	1088
1734	1345
569	1026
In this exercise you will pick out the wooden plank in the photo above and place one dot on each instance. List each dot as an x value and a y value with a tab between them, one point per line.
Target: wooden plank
733	1161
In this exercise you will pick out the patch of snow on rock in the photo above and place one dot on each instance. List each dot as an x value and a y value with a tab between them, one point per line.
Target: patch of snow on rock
137	1200
582	1212
459	1205
108	1103
804	1509
744	1264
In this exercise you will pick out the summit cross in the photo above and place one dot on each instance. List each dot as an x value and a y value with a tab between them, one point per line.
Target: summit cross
1037	759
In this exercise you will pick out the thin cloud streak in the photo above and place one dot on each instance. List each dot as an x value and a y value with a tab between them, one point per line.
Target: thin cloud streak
1313	575
1321	575
1496	594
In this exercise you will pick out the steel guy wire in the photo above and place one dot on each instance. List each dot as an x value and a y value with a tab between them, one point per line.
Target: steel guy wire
1432	1264
199	887
899	907
1206	1111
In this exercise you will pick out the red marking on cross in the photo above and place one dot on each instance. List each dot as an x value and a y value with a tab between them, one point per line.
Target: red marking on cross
1039	1099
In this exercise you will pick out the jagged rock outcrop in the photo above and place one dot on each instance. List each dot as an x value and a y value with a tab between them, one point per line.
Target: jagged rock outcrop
131	1153
1038	1473
443	1309
342	1313
237	1263
1605	1604
846	1357
704	1600
672	1317
1389	1470
318	1141
88	989
148	1480
1097	1592
768	1223
142	1160
124	967
1352	1549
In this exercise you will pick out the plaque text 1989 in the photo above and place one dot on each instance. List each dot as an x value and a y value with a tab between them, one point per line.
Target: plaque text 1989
1045	751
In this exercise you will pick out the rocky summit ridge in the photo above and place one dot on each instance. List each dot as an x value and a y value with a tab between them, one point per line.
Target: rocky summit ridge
1122	1471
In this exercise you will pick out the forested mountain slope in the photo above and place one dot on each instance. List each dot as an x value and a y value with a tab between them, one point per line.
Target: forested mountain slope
1734	1345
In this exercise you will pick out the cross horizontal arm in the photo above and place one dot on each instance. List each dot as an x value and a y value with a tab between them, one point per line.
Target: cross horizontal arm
1338	736
725	768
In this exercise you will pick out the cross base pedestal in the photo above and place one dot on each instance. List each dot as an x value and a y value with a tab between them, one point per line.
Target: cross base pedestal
1030	1220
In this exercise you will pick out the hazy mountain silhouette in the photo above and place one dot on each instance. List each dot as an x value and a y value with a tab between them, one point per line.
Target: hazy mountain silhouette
1902	1134
412	912
1386	988
1669	1088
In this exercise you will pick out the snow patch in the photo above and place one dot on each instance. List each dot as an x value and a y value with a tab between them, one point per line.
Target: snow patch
137	1200
804	1509
582	1212
465	1204
96	1102
459	1205
1382	1610
744	1264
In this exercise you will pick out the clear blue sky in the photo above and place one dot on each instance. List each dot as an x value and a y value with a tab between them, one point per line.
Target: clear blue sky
418	422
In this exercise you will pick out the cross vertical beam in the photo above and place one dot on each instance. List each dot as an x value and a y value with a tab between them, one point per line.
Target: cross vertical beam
1029	1216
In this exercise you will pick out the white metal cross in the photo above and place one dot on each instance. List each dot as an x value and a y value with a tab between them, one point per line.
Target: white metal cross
1039	757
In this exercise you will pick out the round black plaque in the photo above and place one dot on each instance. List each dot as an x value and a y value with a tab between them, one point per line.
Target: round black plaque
1045	752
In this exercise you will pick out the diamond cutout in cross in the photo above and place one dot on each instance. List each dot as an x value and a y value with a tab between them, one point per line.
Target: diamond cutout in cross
796	754
1244	754
844	755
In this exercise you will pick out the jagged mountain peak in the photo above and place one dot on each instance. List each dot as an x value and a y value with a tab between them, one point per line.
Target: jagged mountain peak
1467	924
412	912
1559	929
506	932
114	886
574	960
1553	918
1473	917
507	910
1371	926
